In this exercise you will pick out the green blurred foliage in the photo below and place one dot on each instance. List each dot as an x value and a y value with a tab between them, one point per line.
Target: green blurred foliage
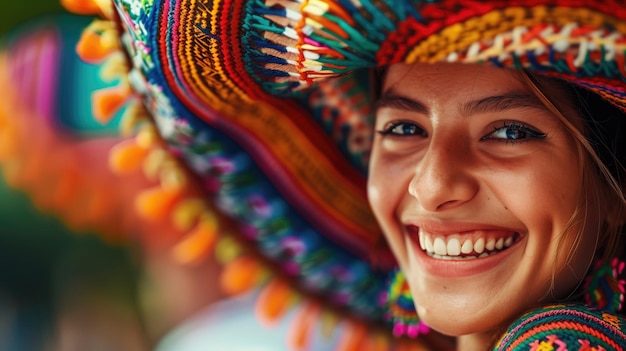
15	13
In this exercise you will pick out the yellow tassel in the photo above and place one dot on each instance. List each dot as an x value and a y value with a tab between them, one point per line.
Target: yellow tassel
173	177
115	67
154	163
187	212
148	136
131	117
108	101
227	249
274	301
126	156
241	275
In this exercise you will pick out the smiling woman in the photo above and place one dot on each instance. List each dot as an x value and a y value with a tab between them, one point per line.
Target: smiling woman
491	152
477	193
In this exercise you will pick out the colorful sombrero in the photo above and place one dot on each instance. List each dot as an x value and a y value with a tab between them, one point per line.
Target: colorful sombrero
265	108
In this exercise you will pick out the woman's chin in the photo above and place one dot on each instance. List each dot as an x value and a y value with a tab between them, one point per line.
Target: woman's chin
448	327
457	323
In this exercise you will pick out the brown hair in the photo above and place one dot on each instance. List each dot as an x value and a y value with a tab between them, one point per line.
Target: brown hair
601	148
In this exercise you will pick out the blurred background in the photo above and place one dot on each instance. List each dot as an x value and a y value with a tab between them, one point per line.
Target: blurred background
60	289
15	13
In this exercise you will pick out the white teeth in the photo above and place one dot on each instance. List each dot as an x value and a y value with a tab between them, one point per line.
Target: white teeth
508	242
467	247
454	247
440	246
500	244
491	244
479	245
429	244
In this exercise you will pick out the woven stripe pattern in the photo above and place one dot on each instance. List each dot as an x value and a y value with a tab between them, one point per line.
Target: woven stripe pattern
581	41
566	327
236	182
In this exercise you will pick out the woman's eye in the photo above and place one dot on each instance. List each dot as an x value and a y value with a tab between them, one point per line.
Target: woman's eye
513	132
403	128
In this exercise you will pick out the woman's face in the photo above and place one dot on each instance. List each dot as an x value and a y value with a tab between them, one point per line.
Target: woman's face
473	181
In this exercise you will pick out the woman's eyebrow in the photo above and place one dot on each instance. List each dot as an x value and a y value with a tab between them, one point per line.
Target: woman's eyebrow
391	99
494	103
502	102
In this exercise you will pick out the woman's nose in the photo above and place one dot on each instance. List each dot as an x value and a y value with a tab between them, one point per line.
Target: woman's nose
443	177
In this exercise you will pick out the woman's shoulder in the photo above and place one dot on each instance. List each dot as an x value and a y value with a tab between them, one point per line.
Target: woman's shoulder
566	327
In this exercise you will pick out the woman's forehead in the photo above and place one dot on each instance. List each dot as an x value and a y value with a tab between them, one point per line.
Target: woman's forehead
444	78
451	83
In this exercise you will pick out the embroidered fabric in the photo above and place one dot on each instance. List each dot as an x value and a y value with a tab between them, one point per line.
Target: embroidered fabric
596	325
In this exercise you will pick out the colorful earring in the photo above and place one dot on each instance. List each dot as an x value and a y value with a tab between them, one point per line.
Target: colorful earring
400	310
605	287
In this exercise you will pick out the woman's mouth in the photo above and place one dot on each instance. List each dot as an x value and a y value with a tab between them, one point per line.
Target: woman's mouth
467	245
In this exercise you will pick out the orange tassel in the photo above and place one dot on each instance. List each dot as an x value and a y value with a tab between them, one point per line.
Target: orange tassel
199	242
108	101
274	301
302	327
126	157
240	275
92	47
156	203
81	7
